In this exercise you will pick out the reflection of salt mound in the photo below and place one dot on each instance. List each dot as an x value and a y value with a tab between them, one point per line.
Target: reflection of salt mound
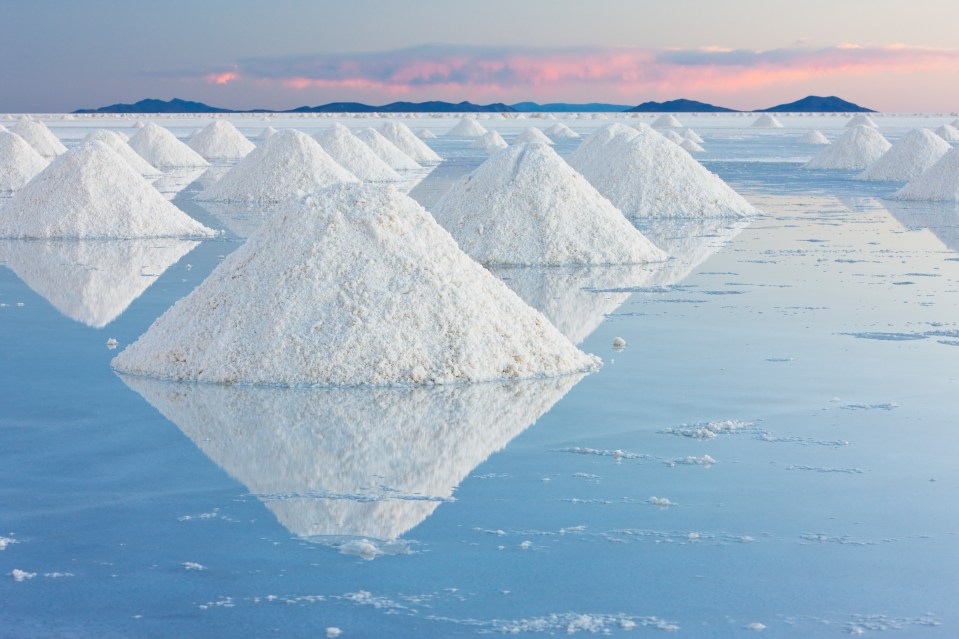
813	137
689	134
387	151
689	244
286	164
490	140
400	135
560	131
160	148
667	121
910	156
942	220
525	205
767	121
353	155
91	281
939	183
220	140
354	285
691	146
352	462
861	119
265	133
91	192
645	175
118	144
948	133
425	134
19	161
467	128
39	137
531	135
857	148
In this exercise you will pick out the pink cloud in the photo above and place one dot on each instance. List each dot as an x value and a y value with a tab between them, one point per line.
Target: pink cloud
221	78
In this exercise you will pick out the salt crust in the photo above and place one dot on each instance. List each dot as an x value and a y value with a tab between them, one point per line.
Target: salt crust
531	135
118	144
467	128
526	206
354	155
287	164
39	137
908	158
220	140
19	162
160	148
560	131
353	285
858	147
767	121
490	141
400	135
645	175
939	183
387	151
91	192
813	137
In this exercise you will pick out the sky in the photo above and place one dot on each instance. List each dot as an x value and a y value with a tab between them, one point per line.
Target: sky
61	55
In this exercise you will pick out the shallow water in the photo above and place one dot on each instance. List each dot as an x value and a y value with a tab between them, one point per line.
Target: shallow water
789	388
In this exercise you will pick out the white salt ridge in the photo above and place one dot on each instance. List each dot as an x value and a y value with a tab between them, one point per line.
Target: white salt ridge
491	140
861	119
813	137
948	133
265	133
91	192
425	134
118	144
939	183
39	137
767	121
387	151
531	135
689	134
908	158
672	136
467	128
667	121
354	285
354	155
400	135
526	206
287	164
160	148
560	131
220	140
645	175
19	162
691	146
858	147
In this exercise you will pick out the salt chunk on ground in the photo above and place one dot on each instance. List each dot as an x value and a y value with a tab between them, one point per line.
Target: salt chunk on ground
767	121
160	148
908	158
619	343
939	183
858	147
467	128
22	575
387	151
220	140
354	155
118	144
332	632
667	121
531	135
813	137
400	135
490	141
39	137
19	161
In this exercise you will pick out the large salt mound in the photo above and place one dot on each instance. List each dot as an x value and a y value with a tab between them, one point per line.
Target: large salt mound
858	147
531	135
861	119
91	192
288	163
667	121
491	140
387	151
39	137
400	135
940	183
160	148
645	175
767	121
526	206
948	133
220	140
19	162
353	155
689	134
118	144
813	137
354	285
560	131
909	157
467	128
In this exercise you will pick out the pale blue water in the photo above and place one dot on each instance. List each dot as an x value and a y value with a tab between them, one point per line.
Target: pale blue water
825	334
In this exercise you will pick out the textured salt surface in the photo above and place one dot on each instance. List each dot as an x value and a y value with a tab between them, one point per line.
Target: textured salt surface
491	140
264	134
908	158
939	183
767	121
354	155
467	128
19	162
858	147
531	135
813	137
387	151
160	148
400	135
948	133
39	137
220	140
353	285
118	144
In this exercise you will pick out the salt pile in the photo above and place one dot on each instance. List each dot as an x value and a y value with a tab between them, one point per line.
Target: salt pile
560	131
667	121
118	144
354	285
645	175
400	135
160	148
531	135
691	146
19	162
91	192
265	133
491	140
940	183
425	134
526	206
288	163
861	119
689	134
948	133
767	121
909	157
858	147
672	136
387	151
39	137
813	137
467	128
220	140
353	155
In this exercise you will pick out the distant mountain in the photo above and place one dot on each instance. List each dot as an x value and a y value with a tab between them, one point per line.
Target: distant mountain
815	103
679	106
176	105
564	107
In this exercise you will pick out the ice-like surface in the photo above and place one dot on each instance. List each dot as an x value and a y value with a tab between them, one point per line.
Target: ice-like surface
467	128
400	135
531	135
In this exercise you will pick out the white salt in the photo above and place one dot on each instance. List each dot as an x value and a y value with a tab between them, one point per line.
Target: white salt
22	575
531	135
39	137
858	147
265	133
332	632
690	146
813	137
672	136
948	133
560	131
767	121
220	140
861	119
425	134
160	148
467	128
118	144
619	343
667	121
387	151
354	155
689	134
19	162
490	141
908	158
939	183
400	135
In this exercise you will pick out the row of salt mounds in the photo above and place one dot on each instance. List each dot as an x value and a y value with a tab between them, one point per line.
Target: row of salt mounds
467	128
39	137
91	192
858	147
940	183
689	134
531	135
400	135
813	137
767	121
861	120
220	140
160	148
908	158
490	141
667	121
294	306
353	155
19	162
387	151
948	133
560	131
645	175
526	206
118	144
289	163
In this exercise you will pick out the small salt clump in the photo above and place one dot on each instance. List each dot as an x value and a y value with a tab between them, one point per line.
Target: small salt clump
19	162
939	183
220	140
908	158
39	137
354	155
619	343
387	151
813	137
400	135
767	121
160	148
118	144
858	147
467	128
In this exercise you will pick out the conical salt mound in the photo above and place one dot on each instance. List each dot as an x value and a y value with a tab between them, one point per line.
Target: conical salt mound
39	137
813	137
531	135
767	121
287	164
491	140
861	119
691	146
160	148
467	128
667	121
948	133
387	151
857	148
908	158
400	135
118	144
19	162
220	140
672	136
645	175
425	134
526	206
940	183
353	155
91	192
560	131
354	285
265	133
689	134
